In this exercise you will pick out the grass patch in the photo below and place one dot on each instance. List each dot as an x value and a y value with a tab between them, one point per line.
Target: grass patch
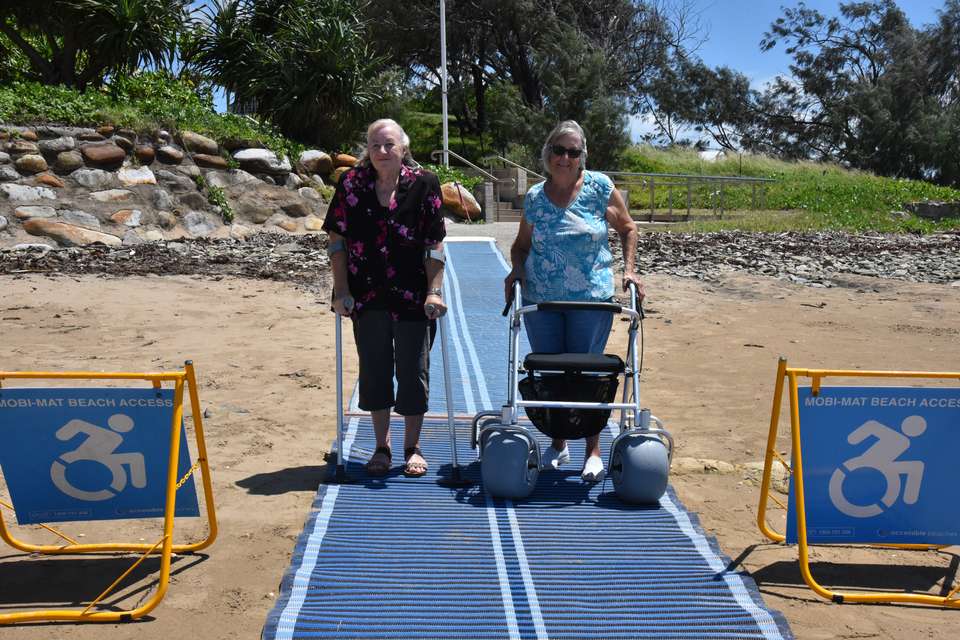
806	195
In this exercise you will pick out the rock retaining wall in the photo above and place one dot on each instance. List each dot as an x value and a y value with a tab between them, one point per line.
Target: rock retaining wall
69	186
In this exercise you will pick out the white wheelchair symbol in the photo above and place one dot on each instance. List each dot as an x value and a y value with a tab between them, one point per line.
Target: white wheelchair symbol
882	456
99	446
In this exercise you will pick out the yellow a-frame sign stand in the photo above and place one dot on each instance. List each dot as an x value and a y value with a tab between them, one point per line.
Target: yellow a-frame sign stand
165	546
790	376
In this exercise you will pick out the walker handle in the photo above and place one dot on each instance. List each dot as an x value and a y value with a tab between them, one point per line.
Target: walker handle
514	292
635	303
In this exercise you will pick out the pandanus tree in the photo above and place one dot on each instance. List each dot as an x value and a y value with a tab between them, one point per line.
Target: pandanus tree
79	43
306	65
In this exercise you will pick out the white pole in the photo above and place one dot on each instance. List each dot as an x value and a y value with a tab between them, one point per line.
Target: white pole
443	80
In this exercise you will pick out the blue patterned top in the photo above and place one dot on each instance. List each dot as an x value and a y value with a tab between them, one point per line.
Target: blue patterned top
570	255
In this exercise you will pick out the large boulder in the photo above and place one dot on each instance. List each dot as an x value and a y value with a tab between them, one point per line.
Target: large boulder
459	201
8	174
22	147
210	161
80	219
123	142
103	154
48	180
262	161
197	224
296	209
162	200
112	195
129	176
51	132
197	143
313	223
193	200
257	203
144	153
128	217
314	161
22	193
31	163
94	178
169	154
175	181
343	160
57	145
68	162
230	178
68	234
34	211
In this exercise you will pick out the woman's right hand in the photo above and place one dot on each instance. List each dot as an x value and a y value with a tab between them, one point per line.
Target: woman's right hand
514	276
343	305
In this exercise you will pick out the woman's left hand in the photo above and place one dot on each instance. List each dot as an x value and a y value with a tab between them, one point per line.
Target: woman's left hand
434	307
633	277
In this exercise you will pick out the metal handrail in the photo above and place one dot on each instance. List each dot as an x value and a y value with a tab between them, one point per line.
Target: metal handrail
685	176
438	152
511	162
650	182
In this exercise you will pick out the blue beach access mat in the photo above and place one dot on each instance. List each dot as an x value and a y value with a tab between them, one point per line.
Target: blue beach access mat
399	557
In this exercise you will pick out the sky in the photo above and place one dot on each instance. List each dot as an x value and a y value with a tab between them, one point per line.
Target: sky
734	28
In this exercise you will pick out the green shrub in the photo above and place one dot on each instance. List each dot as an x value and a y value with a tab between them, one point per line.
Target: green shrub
142	101
218	198
453	174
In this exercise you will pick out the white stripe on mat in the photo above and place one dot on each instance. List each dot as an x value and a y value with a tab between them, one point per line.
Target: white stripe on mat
528	584
301	579
505	592
468	340
765	622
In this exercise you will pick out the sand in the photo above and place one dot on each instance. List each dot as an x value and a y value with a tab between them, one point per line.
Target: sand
264	358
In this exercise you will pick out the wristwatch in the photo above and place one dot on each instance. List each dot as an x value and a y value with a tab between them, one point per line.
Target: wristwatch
435	292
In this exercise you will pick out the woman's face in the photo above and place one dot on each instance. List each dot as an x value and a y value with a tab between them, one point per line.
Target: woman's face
385	148
562	165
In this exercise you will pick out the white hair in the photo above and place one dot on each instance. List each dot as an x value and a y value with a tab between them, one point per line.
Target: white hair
364	159
562	129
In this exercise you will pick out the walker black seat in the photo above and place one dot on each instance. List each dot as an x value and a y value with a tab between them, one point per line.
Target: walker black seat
570	377
574	362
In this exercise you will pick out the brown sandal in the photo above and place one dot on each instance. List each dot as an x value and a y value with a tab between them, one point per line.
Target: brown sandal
376	466
414	469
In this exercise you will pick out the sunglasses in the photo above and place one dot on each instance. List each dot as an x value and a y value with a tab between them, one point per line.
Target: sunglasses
559	150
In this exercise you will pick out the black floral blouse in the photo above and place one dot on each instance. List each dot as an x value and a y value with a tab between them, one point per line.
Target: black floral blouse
385	245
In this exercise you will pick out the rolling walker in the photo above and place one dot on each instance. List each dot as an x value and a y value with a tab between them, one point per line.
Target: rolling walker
570	396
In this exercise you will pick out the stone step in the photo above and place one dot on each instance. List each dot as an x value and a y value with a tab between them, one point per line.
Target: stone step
509	215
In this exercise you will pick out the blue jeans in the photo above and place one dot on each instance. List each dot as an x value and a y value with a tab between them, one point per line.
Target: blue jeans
568	331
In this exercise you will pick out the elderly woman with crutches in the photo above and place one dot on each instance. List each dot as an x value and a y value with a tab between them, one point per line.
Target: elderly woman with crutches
385	245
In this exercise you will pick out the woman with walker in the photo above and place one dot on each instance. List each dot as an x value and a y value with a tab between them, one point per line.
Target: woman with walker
386	253
562	252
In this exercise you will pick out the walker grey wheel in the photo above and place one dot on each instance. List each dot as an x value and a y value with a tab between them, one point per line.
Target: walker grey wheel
509	462
639	466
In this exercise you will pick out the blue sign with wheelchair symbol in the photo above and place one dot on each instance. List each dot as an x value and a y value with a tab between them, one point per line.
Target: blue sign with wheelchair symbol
90	454
878	465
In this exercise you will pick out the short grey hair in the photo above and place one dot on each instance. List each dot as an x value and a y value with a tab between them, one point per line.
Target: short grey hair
562	129
364	159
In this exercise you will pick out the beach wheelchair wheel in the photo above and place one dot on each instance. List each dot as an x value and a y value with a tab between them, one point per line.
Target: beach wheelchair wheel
639	467
509	461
